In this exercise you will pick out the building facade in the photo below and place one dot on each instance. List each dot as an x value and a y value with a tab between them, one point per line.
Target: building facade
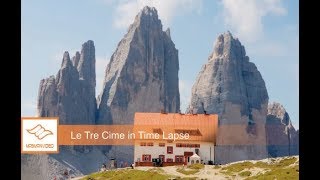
201	129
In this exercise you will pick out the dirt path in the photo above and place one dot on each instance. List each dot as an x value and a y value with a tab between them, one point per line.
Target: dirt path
78	178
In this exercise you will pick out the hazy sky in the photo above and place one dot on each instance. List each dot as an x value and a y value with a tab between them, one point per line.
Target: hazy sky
269	30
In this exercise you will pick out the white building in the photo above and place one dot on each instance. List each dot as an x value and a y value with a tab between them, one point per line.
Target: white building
200	127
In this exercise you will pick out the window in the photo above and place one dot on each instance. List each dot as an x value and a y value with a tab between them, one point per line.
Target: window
142	144
169	160
150	144
197	151
178	158
146	157
184	145
178	145
162	144
162	157
188	145
169	149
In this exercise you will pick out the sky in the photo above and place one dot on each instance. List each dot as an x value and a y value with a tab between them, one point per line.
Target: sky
269	30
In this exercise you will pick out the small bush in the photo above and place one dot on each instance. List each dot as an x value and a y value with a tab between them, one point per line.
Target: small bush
187	171
245	173
237	167
196	166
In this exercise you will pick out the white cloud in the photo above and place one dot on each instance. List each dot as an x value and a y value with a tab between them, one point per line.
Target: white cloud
167	10
101	65
244	17
185	94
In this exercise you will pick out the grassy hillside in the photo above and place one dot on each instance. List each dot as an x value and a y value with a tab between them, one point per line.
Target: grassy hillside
272	168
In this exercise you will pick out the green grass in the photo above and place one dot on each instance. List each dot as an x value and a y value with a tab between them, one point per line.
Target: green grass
275	169
278	173
187	171
186	178
127	174
237	167
245	173
287	168
191	169
287	162
156	169
196	166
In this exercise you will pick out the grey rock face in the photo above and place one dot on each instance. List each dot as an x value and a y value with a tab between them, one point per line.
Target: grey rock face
282	138
232	87
76	59
142	74
71	95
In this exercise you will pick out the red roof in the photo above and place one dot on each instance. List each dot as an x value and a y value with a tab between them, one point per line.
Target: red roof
201	127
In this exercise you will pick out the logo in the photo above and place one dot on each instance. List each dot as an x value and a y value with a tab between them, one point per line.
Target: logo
39	131
39	135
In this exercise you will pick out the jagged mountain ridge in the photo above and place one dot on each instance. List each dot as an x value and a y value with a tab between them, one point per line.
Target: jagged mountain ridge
71	94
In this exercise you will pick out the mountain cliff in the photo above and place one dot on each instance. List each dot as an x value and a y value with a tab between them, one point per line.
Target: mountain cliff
232	87
142	76
282	138
71	94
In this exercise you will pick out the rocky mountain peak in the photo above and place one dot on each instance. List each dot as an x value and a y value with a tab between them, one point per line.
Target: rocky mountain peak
278	111
66	62
168	32
142	75
147	18
145	58
232	87
76	59
149	13
227	45
71	95
86	65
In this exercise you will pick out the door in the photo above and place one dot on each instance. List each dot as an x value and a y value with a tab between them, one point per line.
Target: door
162	158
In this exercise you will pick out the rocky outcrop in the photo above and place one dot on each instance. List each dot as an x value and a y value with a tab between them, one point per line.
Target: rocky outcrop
71	94
142	75
232	87
282	138
54	166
